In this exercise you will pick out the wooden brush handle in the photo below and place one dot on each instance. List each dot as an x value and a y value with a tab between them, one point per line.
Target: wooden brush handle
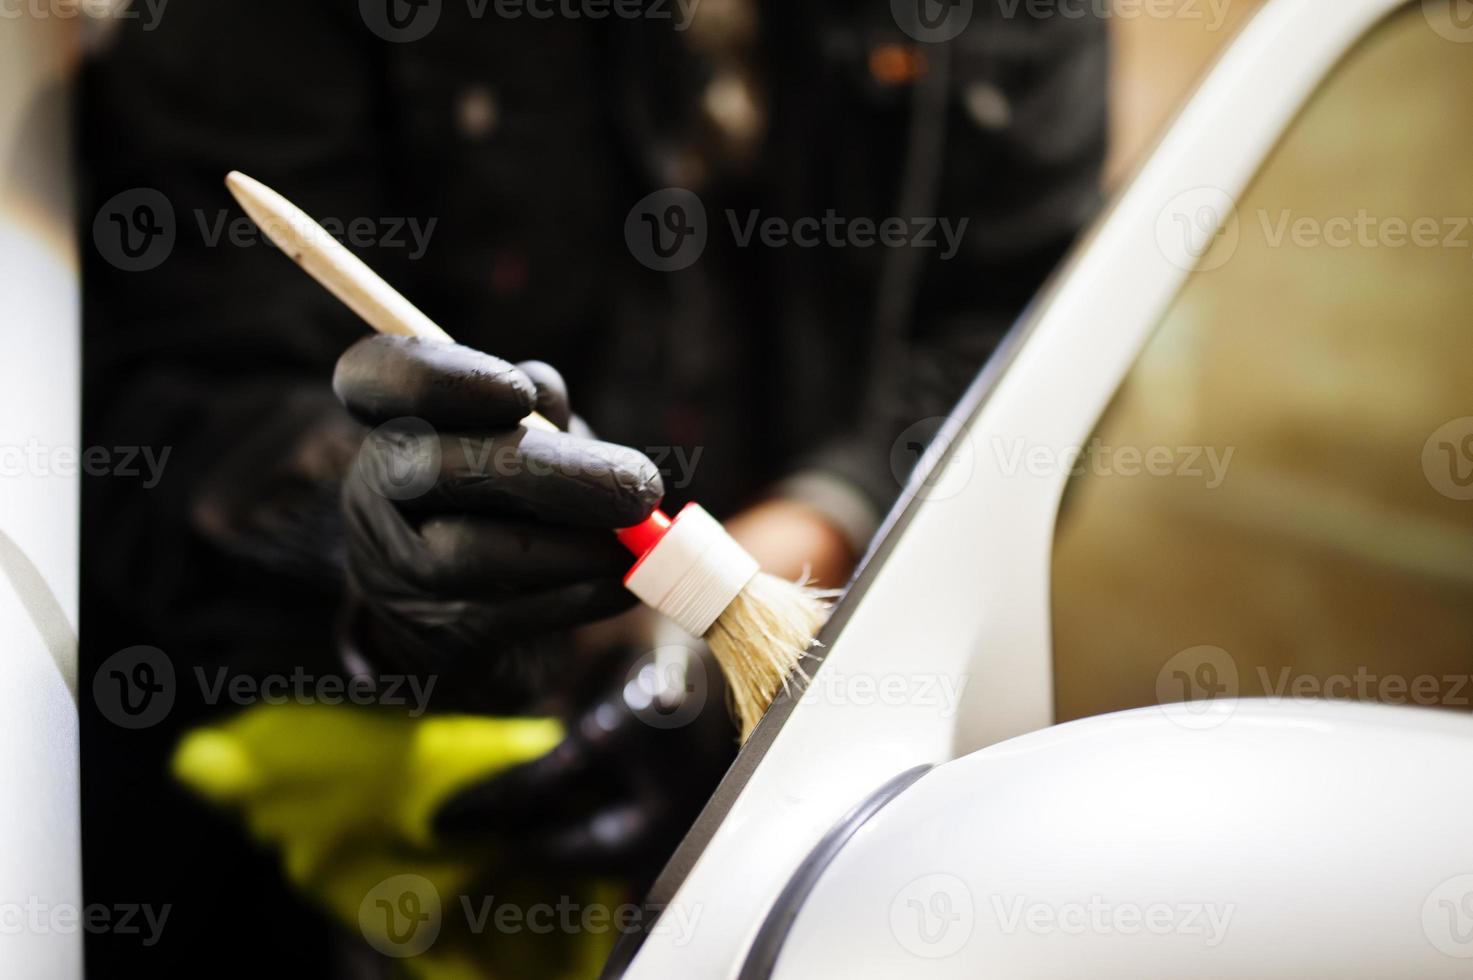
364	292
343	274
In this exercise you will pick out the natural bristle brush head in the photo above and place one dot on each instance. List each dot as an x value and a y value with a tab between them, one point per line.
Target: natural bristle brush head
759	627
761	640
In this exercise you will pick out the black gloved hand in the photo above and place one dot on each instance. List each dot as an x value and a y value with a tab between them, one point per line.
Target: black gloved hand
271	500
474	542
646	745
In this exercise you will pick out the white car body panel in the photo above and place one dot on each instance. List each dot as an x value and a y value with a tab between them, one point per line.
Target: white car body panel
40	426
1143	844
962	597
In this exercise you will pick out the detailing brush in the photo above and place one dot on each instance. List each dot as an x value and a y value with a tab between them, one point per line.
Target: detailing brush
759	626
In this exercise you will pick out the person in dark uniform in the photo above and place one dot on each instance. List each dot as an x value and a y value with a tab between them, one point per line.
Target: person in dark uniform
766	244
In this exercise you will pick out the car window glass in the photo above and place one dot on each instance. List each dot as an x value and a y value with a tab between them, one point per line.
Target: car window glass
1279	499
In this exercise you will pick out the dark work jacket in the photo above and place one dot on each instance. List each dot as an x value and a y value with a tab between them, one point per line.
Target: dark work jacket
527	142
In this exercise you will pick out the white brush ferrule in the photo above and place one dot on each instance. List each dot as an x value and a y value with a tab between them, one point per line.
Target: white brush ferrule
693	572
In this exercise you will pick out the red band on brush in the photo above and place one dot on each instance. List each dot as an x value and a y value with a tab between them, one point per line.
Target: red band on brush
643	536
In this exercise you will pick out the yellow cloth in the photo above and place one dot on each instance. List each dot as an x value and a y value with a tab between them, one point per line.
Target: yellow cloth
348	796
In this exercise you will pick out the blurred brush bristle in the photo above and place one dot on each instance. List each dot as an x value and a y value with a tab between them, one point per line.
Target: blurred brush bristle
761	640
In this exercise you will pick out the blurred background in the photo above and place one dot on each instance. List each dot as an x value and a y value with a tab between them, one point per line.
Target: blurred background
1333	382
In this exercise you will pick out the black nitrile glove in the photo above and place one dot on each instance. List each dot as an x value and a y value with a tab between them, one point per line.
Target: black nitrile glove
474	542
646	746
272	498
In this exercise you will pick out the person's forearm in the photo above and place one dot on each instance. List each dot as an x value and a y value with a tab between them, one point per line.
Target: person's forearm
793	540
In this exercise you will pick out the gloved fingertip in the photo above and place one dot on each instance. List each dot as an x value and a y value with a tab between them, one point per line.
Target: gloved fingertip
216	765
451	386
643	488
552	392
